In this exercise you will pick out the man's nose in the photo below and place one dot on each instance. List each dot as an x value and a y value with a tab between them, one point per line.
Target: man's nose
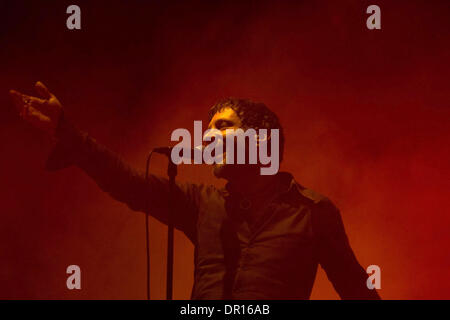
211	135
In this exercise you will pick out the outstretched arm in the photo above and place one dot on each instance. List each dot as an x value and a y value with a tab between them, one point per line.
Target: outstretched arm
336	256
108	170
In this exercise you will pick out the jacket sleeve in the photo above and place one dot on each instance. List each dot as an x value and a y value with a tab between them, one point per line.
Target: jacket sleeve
122	182
336	256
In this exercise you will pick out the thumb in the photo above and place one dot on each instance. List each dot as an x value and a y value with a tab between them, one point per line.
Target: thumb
42	90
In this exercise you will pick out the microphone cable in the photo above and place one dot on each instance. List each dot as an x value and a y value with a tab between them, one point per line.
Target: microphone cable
147	237
166	151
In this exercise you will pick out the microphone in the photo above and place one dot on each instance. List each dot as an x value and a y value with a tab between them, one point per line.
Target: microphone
163	150
167	151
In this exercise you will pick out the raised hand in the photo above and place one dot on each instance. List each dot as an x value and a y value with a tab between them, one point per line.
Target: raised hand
43	113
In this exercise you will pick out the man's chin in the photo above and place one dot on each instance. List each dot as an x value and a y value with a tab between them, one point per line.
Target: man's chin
220	171
233	172
224	171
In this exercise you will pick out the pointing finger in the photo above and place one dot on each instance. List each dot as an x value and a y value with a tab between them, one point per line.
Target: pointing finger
16	97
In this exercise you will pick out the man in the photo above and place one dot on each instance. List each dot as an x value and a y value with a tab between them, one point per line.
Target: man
261	237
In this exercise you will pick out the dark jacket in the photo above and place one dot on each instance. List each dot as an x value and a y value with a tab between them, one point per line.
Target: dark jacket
275	258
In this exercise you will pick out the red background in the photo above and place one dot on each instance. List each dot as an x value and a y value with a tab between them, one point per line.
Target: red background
365	116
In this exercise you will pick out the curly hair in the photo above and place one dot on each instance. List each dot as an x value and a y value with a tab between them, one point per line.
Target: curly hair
255	115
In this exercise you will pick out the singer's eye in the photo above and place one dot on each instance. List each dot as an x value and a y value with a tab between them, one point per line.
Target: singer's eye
223	124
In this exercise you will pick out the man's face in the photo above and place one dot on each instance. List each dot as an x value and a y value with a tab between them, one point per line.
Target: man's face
223	120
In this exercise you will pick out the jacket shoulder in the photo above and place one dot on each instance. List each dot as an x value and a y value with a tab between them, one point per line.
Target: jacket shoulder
311	195
316	200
